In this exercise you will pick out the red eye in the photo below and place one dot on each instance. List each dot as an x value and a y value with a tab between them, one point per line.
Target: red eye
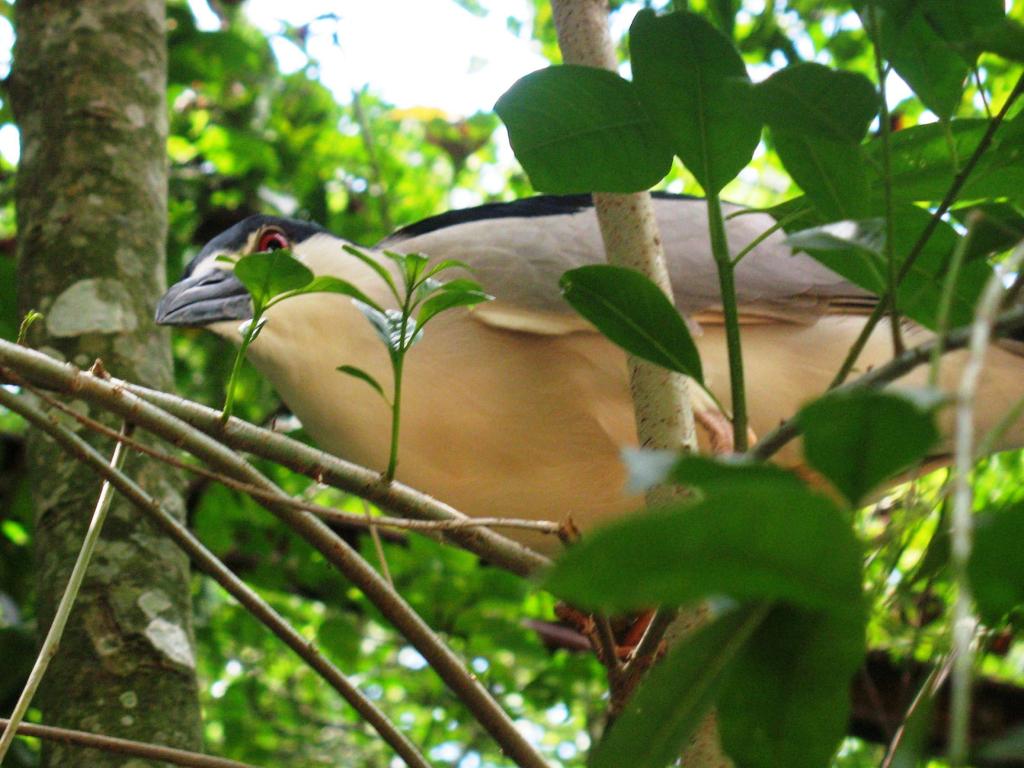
271	240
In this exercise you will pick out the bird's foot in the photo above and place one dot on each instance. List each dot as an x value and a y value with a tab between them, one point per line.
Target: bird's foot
719	430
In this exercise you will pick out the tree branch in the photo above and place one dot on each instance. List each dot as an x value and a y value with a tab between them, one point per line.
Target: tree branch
46	372
326	468
212	566
124	746
1008	322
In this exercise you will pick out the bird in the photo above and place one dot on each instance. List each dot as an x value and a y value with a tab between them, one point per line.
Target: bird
518	407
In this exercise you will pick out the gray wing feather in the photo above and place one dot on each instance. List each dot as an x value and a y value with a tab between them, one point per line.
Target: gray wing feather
519	259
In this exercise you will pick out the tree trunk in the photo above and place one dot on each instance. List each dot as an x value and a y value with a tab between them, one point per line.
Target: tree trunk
88	89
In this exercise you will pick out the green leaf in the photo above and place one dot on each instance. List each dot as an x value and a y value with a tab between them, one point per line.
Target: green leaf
928	63
359	373
926	158
388	325
376	266
444	265
633	312
251	328
329	284
813	100
663	713
868	235
580	129
818	117
694	84
918	296
763	539
449	299
731	473
996	569
833	174
269	274
996	227
861	437
786	702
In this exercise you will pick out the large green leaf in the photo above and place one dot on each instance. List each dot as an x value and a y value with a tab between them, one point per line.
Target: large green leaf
633	312
812	99
861	437
694	84
918	52
786	701
580	129
832	173
762	539
918	296
996	568
271	273
672	700
818	117
927	158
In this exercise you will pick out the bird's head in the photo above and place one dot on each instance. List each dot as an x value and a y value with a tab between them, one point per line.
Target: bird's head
209	295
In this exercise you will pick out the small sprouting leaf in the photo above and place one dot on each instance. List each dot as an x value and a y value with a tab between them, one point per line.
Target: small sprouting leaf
27	321
693	83
330	284
359	373
444	265
760	540
868	235
449	299
271	273
679	690
996	569
376	266
388	325
411	264
633	313
580	129
462	284
858	438
249	331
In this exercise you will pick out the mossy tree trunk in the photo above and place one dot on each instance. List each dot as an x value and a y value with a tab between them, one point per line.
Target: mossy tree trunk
89	92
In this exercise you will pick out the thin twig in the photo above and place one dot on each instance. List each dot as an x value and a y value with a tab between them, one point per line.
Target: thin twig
336	516
211	565
961	520
607	648
946	298
331	515
885	131
122	746
46	372
951	194
378	547
67	602
1008	322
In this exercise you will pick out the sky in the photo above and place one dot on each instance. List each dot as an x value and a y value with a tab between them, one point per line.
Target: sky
411	52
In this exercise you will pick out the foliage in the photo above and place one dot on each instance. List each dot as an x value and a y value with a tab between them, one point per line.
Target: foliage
244	138
751	538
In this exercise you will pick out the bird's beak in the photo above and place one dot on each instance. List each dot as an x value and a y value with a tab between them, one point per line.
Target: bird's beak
203	299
